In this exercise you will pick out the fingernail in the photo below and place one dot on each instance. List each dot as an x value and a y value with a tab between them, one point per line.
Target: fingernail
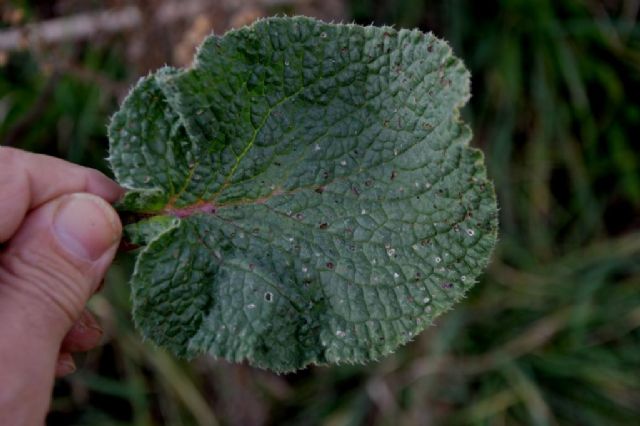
88	322
66	365
86	226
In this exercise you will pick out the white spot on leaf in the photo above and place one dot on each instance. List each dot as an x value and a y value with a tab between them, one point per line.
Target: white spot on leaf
390	250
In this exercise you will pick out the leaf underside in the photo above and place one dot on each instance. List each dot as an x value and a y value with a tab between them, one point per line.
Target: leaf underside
308	191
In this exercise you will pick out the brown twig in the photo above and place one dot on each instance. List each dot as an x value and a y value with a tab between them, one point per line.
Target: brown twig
528	341
85	25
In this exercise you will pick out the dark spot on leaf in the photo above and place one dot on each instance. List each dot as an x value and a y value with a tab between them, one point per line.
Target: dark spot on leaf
368	183
393	174
299	216
320	189
324	226
251	266
447	285
329	265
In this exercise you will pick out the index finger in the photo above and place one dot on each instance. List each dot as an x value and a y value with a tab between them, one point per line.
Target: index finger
28	180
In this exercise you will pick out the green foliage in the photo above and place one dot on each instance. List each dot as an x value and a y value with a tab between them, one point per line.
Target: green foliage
314	195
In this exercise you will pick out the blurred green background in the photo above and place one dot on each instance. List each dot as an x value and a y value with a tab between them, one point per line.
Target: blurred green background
551	334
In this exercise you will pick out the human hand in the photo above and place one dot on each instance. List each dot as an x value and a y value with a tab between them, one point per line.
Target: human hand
58	236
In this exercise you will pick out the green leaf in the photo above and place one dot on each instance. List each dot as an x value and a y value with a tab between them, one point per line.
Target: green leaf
320	201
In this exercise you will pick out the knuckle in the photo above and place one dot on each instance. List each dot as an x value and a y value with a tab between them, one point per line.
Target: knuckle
8	155
14	192
8	163
45	279
12	179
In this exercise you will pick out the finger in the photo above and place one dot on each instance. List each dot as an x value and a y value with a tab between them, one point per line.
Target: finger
49	269
85	334
59	256
65	365
29	180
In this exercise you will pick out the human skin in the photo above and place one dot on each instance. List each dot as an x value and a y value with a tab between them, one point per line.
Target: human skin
58	236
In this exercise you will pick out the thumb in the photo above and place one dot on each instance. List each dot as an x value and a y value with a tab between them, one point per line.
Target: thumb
48	271
58	257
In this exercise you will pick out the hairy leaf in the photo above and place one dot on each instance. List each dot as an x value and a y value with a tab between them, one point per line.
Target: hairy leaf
309	193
